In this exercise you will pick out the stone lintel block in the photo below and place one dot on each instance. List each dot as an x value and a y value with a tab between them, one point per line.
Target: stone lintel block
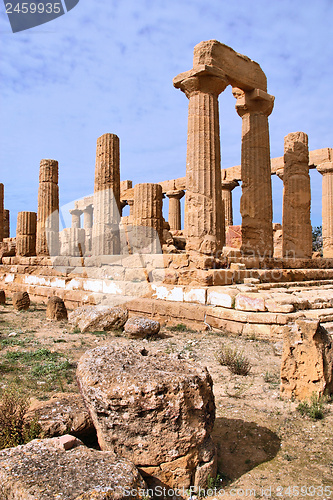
250	302
240	70
195	294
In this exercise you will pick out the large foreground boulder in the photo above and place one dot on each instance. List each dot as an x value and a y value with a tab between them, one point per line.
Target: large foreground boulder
307	361
152	409
98	318
138	327
43	470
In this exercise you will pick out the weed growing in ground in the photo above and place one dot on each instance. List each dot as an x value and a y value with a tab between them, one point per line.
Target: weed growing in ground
14	429
314	409
235	360
272	378
180	327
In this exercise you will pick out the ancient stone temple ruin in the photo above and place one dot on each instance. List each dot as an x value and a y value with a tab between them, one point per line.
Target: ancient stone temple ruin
257	277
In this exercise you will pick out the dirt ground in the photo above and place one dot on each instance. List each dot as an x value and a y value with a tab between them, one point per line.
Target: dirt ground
266	448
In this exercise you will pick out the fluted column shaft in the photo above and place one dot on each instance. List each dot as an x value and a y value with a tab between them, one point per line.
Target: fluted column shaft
147	218
174	218
6	224
106	240
326	169
227	187
204	219
76	218
48	209
26	234
1	212
88	217
296	223
256	202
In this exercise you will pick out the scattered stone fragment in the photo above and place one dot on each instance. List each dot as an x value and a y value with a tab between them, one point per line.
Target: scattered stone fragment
307	360
21	301
141	327
94	318
153	409
61	414
56	309
42	469
2	297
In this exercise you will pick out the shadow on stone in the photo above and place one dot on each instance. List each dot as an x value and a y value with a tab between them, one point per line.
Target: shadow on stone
241	446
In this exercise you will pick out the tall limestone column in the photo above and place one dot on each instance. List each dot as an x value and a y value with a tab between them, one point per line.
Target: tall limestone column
76	218
174	218
204	218
48	209
26	234
147	221
6	224
106	240
254	107
326	169
227	187
1	212
88	225
296	223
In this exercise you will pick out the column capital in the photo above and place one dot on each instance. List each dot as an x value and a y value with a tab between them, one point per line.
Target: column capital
325	168
178	194
229	184
254	101
201	79
88	208
75	212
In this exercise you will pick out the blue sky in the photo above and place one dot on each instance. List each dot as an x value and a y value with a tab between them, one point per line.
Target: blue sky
107	66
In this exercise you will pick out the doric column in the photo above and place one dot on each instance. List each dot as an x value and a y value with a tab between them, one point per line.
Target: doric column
256	202
296	223
326	169
48	209
6	224
204	218
106	239
26	234
88	217
76	218
175	209
227	187
1	212
147	219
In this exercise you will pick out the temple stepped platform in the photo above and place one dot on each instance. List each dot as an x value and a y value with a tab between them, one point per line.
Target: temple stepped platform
252	302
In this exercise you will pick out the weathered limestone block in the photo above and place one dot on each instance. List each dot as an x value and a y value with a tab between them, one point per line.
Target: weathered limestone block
2	297
147	230
138	327
43	470
61	414
8	247
56	309
326	169
153	409
72	242
256	202
1	212
307	360
296	223
26	234
6	224
21	301
98	318
106	239
175	209
204	217
48	209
